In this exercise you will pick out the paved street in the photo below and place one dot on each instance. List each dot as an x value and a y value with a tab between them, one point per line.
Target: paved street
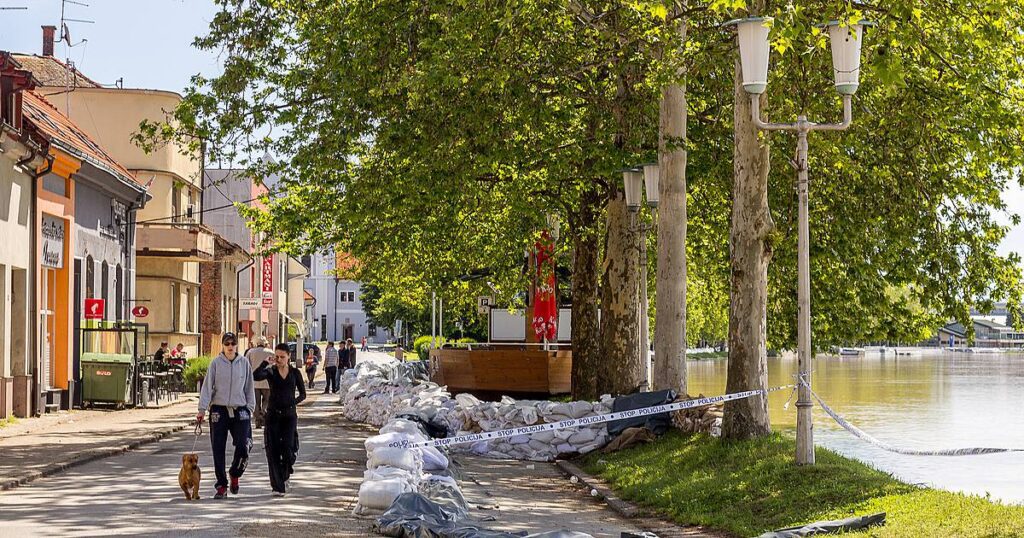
136	493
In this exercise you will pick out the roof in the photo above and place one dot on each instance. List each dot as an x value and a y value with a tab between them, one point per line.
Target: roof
50	71
308	296
990	324
956	329
62	131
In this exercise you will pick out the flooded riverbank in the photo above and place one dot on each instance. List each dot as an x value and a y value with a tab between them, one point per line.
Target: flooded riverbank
946	400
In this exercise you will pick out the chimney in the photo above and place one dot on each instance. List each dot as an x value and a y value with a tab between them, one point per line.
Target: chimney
48	32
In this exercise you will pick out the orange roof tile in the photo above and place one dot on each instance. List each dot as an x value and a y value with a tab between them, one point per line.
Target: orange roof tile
58	127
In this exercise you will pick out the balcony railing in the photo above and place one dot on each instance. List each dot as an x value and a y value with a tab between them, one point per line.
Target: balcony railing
184	241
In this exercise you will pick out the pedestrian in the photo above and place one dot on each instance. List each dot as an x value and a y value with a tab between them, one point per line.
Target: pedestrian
331	368
228	393
162	354
363	346
256	355
351	353
311	363
281	435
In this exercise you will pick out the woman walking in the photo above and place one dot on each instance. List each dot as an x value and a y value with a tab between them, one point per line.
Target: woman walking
311	363
280	430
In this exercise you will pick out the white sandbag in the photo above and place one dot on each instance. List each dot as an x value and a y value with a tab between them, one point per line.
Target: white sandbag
388	439
384	472
401	425
379	494
582	437
402	458
433	459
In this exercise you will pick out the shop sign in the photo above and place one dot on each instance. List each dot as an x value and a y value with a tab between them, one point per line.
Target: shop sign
140	311
268	282
52	254
94	308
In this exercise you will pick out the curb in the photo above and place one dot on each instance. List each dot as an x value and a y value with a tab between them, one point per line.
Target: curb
92	456
655	526
621	507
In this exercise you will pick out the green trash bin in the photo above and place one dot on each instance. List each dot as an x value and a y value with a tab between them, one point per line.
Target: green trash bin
106	378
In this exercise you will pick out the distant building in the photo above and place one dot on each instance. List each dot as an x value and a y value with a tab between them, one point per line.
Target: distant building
338	311
987	333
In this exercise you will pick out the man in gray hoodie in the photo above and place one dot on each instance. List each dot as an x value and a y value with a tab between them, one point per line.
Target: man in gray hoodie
229	395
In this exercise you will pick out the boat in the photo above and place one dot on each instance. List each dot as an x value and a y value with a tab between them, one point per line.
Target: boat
851	351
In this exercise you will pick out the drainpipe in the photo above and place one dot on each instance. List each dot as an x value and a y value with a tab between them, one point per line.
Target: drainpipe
33	274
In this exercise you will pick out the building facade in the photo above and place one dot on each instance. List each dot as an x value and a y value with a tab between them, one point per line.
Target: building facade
20	156
170	240
338	311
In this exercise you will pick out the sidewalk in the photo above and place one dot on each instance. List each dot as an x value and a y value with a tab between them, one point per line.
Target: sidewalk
37	447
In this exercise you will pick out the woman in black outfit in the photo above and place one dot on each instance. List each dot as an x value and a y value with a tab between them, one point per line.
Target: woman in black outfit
280	431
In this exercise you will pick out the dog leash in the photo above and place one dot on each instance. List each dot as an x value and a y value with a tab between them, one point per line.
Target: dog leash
198	431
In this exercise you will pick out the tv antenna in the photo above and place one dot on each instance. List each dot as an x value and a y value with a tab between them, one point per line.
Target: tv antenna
65	33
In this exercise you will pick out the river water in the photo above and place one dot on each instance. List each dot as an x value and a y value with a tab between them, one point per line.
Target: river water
947	400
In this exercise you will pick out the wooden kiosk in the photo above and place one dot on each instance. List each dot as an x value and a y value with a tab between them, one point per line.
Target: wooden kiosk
508	364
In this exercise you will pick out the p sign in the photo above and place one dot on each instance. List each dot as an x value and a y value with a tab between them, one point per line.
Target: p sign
94	308
483	303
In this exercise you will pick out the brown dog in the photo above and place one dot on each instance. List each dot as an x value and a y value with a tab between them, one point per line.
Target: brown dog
189	476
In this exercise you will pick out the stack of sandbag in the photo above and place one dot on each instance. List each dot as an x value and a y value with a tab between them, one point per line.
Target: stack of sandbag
477	416
706	419
375	394
395	467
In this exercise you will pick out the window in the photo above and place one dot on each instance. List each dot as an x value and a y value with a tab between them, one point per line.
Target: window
371	329
351	297
175	308
119	291
105	289
323	326
176	203
90	278
190	319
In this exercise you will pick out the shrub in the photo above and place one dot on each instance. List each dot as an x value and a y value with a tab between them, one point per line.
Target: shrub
422	346
195	369
464	342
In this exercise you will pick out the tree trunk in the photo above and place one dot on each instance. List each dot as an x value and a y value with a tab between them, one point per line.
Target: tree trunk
619	369
670	282
750	253
586	333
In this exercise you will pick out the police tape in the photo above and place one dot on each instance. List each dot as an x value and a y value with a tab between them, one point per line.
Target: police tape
586	421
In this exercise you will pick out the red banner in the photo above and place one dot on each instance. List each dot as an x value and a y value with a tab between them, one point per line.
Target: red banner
267	282
545	287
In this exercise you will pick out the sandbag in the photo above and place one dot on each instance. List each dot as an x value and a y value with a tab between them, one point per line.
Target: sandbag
658	424
380	494
433	459
402	458
387	439
829	527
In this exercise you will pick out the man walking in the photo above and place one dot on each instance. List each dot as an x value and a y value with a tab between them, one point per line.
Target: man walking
229	395
351	353
256	355
331	368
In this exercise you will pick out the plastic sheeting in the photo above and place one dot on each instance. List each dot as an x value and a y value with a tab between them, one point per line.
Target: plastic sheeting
415	516
659	424
829	527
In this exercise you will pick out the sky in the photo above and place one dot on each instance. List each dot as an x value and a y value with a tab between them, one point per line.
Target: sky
148	43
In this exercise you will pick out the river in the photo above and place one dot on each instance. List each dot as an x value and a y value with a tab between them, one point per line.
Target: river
947	400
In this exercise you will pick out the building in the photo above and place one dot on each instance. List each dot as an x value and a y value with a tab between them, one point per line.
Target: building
218	295
170	240
274	279
338	311
20	157
987	333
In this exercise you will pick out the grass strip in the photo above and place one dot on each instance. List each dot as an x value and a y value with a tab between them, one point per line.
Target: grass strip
749	487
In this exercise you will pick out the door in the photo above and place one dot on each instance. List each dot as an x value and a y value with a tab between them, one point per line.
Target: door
348	330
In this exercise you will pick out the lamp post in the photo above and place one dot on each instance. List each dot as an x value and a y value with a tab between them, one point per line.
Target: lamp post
635	179
754	48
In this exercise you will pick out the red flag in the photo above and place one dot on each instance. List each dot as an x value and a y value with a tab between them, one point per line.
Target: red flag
545	286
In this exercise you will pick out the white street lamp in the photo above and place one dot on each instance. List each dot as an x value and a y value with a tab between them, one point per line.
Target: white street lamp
633	180
846	46
754	48
651	179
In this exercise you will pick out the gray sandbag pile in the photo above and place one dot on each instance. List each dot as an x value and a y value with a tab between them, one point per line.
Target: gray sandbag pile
478	416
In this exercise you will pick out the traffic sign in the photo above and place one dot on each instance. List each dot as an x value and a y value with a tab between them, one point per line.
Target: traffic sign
483	303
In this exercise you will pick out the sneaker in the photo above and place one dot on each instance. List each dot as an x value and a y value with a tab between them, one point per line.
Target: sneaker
222	492
234	485
278	494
